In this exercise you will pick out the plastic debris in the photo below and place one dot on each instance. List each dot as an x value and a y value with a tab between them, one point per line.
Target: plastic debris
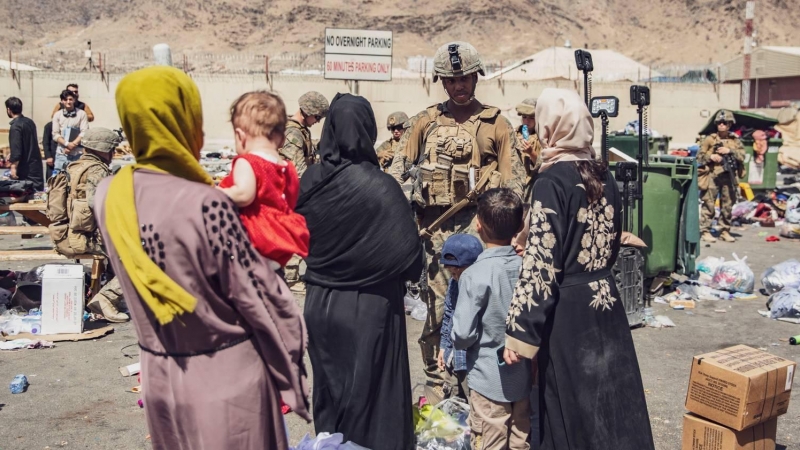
326	441
19	384
780	276
785	303
734	276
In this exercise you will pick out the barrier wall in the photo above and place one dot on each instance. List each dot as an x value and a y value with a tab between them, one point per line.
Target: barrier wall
676	110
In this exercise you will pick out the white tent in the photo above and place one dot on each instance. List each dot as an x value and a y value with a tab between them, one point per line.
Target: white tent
559	63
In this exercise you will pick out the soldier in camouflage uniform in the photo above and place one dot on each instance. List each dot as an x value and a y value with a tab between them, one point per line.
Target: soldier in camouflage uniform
462	132
388	149
298	147
530	149
300	150
91	168
713	179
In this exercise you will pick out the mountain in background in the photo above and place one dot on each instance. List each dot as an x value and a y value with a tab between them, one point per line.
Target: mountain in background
654	32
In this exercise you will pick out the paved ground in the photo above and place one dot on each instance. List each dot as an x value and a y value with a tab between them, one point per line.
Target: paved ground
77	398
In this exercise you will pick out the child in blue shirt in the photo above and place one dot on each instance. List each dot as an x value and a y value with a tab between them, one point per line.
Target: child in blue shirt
458	252
499	401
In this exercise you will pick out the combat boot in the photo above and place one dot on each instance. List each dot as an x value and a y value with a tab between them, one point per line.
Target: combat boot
725	236
101	305
707	237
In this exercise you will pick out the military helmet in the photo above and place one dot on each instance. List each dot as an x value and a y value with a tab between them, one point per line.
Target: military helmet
313	103
456	59
396	119
527	107
725	116
101	140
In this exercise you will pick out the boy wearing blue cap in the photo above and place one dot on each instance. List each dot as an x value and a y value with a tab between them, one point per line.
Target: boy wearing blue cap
458	252
499	415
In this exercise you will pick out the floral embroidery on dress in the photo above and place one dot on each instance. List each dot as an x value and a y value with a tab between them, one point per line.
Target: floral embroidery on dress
596	247
537	272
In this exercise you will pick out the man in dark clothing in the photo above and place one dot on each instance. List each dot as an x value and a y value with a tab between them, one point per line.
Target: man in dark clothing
50	146
26	161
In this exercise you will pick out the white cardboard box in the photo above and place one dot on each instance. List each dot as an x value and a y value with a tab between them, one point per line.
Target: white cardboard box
62	298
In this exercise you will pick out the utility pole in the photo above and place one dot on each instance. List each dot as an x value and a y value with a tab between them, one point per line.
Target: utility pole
750	11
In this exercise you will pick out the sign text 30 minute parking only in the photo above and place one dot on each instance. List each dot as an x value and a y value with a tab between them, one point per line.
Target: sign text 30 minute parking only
358	54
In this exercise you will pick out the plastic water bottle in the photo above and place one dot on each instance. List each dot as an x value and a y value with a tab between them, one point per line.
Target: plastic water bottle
525	133
19	384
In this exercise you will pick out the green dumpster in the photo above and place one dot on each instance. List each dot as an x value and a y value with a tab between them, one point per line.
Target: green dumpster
761	177
629	144
671	226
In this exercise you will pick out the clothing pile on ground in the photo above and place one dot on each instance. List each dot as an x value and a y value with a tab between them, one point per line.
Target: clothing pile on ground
778	209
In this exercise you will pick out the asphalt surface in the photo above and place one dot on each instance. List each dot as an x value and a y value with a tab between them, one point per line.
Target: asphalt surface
78	399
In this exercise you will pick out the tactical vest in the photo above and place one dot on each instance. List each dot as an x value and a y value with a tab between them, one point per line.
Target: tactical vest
308	150
73	226
452	162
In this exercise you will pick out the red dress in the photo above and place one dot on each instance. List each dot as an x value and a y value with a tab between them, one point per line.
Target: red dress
276	231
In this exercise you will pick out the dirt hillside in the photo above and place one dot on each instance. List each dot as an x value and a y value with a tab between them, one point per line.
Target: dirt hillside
657	32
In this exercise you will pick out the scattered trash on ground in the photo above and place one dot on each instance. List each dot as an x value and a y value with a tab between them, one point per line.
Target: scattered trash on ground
18	344
734	276
326	441
783	275
784	303
442	427
19	384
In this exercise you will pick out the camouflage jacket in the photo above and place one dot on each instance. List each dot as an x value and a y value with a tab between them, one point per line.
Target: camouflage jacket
298	147
707	149
495	138
386	153
531	163
91	178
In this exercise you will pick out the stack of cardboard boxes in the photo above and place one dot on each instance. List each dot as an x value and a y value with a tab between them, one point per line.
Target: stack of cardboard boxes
735	397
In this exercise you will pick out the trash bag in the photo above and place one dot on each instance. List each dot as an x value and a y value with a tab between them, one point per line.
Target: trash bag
790	230
742	209
734	276
444	426
783	275
784	303
792	214
412	297
709	265
326	441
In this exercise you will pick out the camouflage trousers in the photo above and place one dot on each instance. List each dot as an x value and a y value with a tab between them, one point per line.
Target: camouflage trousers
720	184
112	291
437	279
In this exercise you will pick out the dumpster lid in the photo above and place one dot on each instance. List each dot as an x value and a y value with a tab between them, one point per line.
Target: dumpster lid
748	119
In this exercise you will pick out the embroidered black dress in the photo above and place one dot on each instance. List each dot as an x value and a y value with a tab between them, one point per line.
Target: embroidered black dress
567	309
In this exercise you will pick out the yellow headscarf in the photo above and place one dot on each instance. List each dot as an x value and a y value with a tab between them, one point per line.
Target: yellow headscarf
162	116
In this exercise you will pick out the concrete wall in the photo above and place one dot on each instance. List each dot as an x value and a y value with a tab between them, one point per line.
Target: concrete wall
676	108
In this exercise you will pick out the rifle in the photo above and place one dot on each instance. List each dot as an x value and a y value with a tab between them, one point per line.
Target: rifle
731	166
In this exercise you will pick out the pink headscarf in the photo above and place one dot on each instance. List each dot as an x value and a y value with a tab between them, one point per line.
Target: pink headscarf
564	126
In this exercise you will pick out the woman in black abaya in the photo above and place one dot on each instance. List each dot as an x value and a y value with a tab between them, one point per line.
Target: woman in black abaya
364	246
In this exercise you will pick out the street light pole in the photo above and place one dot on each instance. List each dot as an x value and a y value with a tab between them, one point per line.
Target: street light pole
555	38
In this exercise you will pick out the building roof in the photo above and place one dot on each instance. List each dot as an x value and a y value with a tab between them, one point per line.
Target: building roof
6	65
765	62
559	63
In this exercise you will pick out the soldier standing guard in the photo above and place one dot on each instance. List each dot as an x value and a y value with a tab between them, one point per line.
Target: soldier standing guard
388	149
714	179
299	149
453	149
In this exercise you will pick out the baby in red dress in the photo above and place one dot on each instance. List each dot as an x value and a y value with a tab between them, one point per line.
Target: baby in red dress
261	183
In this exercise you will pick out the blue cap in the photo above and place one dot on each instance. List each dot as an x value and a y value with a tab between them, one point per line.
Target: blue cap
460	250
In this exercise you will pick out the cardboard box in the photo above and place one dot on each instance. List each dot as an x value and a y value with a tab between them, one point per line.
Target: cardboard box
62	298
740	387
687	304
701	434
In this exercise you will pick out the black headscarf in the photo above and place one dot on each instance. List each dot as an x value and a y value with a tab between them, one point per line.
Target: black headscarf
362	229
